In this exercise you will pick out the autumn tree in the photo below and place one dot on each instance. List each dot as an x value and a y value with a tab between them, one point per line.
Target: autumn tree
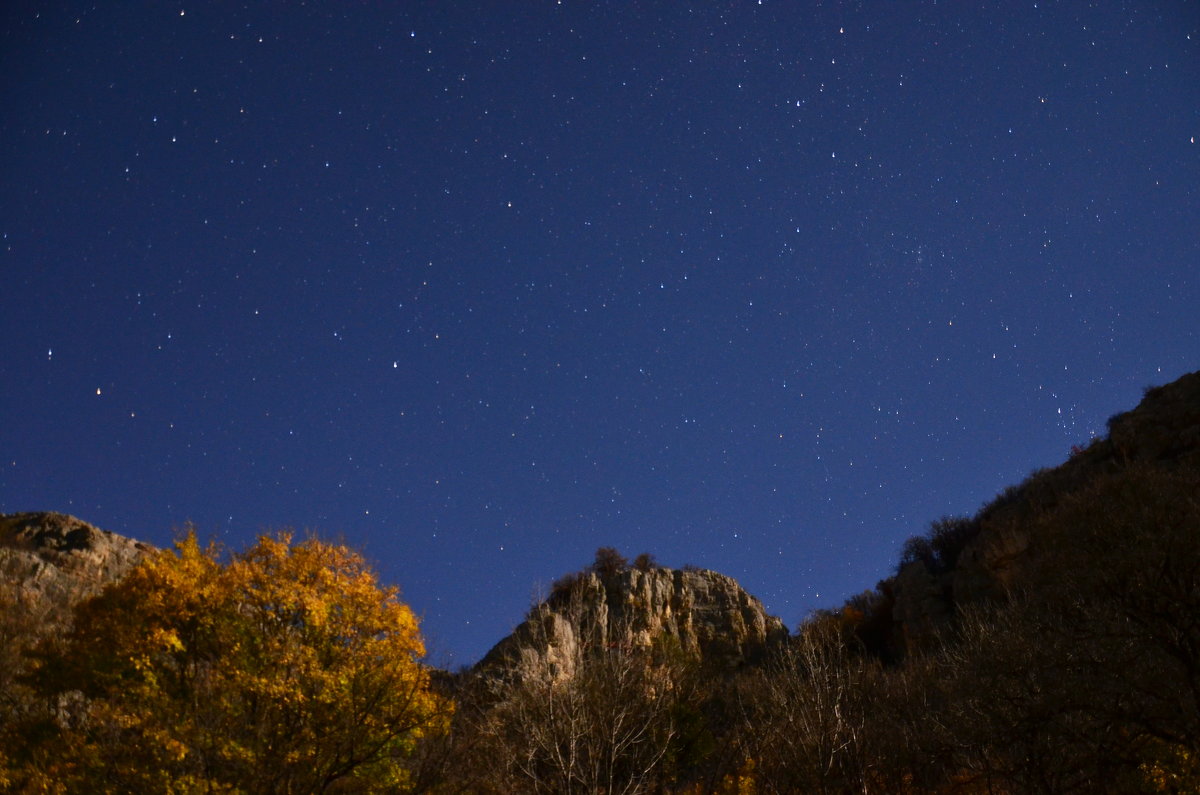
286	669
25	621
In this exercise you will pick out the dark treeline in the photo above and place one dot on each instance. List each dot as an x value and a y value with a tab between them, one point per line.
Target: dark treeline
1084	676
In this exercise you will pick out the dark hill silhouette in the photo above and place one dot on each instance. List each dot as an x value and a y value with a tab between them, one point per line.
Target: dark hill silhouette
965	561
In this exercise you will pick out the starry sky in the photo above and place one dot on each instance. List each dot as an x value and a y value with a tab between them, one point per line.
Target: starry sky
762	287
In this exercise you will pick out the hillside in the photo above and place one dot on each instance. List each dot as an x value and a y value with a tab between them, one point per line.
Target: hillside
970	561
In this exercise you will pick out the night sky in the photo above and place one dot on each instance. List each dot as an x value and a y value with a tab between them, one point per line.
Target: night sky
761	287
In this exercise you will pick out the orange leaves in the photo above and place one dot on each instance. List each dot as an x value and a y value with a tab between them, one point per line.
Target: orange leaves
284	668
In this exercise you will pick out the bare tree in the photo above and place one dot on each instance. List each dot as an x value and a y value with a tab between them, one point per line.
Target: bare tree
805	714
585	708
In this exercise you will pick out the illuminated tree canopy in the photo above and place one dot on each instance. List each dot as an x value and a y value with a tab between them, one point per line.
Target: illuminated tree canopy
285	669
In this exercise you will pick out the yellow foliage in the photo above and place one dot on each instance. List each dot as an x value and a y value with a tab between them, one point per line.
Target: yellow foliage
742	782
284	669
1175	769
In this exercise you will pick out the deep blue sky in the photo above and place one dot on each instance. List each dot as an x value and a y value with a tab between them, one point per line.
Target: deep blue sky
480	287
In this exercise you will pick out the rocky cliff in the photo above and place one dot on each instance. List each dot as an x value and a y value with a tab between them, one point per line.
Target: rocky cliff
708	615
54	560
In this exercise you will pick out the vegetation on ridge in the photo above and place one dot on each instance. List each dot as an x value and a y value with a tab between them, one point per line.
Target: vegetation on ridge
1049	643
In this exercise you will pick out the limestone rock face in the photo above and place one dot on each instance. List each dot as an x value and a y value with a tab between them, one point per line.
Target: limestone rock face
56	560
707	614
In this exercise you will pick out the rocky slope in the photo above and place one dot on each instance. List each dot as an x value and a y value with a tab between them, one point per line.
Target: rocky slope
707	614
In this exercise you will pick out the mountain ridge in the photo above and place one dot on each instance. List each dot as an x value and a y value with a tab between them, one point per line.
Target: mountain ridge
57	558
1046	643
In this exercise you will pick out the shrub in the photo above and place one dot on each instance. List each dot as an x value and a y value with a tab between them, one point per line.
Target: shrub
609	562
948	537
564	587
916	549
645	562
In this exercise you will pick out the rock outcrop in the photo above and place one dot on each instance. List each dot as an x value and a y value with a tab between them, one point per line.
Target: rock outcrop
53	560
708	615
